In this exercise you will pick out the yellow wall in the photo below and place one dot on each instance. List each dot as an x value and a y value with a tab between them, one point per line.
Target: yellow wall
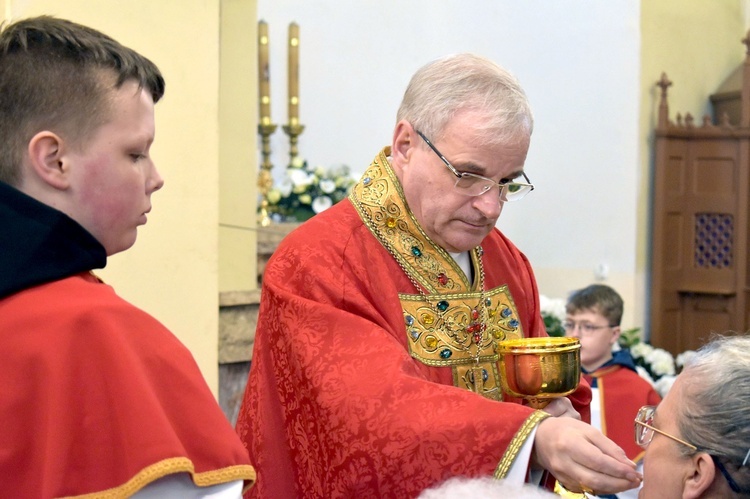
697	43
238	124
173	270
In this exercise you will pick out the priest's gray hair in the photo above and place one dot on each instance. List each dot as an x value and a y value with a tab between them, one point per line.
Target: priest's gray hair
716	405
466	82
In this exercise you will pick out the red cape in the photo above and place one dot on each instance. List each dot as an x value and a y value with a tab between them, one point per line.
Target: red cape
621	393
100	398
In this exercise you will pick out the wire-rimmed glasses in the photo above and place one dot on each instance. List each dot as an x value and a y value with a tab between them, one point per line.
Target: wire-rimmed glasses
644	433
471	184
586	328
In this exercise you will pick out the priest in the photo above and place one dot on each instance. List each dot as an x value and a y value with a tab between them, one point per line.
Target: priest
374	371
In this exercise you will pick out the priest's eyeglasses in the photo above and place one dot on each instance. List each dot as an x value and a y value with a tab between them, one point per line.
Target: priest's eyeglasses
644	433
471	184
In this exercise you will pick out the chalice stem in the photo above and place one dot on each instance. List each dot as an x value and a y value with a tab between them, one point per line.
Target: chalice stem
537	403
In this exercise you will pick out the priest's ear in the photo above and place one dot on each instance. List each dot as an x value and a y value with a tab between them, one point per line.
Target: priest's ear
405	139
702	478
45	161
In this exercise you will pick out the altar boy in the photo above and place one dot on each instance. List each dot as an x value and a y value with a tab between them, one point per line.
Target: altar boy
593	315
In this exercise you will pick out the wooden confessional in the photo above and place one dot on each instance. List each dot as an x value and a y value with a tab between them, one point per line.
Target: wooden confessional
700	277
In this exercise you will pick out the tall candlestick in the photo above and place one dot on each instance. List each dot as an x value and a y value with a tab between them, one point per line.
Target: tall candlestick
293	73
264	87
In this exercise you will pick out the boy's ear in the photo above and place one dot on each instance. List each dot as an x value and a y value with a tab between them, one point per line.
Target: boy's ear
704	473
46	159
616	332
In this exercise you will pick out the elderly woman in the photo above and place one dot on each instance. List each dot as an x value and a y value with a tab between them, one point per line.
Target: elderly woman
698	439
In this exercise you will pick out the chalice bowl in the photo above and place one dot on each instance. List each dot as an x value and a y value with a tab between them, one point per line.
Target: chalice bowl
539	369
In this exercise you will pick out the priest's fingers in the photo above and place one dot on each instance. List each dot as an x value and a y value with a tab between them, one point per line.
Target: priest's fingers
560	407
578	455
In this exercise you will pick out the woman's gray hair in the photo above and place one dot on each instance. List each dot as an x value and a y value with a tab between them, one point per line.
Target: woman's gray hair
716	407
466	82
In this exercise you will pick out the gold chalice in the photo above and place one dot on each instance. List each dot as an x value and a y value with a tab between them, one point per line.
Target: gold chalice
540	369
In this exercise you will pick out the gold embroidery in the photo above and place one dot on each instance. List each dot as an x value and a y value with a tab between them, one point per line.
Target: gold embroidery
168	467
438	322
517	442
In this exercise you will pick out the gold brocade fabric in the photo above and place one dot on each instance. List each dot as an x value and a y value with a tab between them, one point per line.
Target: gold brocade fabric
437	323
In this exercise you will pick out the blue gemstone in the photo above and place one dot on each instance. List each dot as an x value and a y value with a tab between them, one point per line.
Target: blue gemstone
366	180
442	305
513	323
409	320
446	354
415	251
507	312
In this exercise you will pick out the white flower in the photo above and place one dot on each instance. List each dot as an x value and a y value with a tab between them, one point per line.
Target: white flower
297	162
664	384
643	373
684	357
640	350
327	185
552	306
300	178
661	362
285	187
321	203
273	196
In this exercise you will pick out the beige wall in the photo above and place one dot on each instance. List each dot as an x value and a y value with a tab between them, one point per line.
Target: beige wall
697	43
173	270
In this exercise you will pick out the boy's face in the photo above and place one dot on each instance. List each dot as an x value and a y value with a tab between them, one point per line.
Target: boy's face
595	334
112	174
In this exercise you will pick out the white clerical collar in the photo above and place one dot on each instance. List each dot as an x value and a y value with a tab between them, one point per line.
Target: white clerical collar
463	261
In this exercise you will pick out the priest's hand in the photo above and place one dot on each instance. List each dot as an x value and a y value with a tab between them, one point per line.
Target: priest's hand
561	406
581	457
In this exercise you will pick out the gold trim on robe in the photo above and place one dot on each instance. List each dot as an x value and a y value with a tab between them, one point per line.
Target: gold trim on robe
437	324
518	440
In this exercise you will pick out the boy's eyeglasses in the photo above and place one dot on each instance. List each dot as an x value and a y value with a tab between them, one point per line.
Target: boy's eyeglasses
644	433
586	328
471	184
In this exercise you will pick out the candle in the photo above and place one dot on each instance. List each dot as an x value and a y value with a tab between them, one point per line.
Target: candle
264	87
293	73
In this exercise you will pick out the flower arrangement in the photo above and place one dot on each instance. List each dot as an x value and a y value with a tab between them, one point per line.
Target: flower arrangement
307	190
656	365
553	314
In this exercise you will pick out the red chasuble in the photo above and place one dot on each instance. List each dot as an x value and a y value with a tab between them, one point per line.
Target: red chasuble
99	399
362	387
621	393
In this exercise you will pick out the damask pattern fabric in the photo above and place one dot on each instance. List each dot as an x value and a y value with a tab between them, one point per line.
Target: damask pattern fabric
336	405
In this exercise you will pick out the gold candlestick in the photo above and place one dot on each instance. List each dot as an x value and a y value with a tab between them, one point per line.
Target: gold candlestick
265	179
265	127
294	130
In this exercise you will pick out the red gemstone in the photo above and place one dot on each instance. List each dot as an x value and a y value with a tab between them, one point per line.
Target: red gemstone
442	279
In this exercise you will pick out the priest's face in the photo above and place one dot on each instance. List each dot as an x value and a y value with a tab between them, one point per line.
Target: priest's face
455	221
